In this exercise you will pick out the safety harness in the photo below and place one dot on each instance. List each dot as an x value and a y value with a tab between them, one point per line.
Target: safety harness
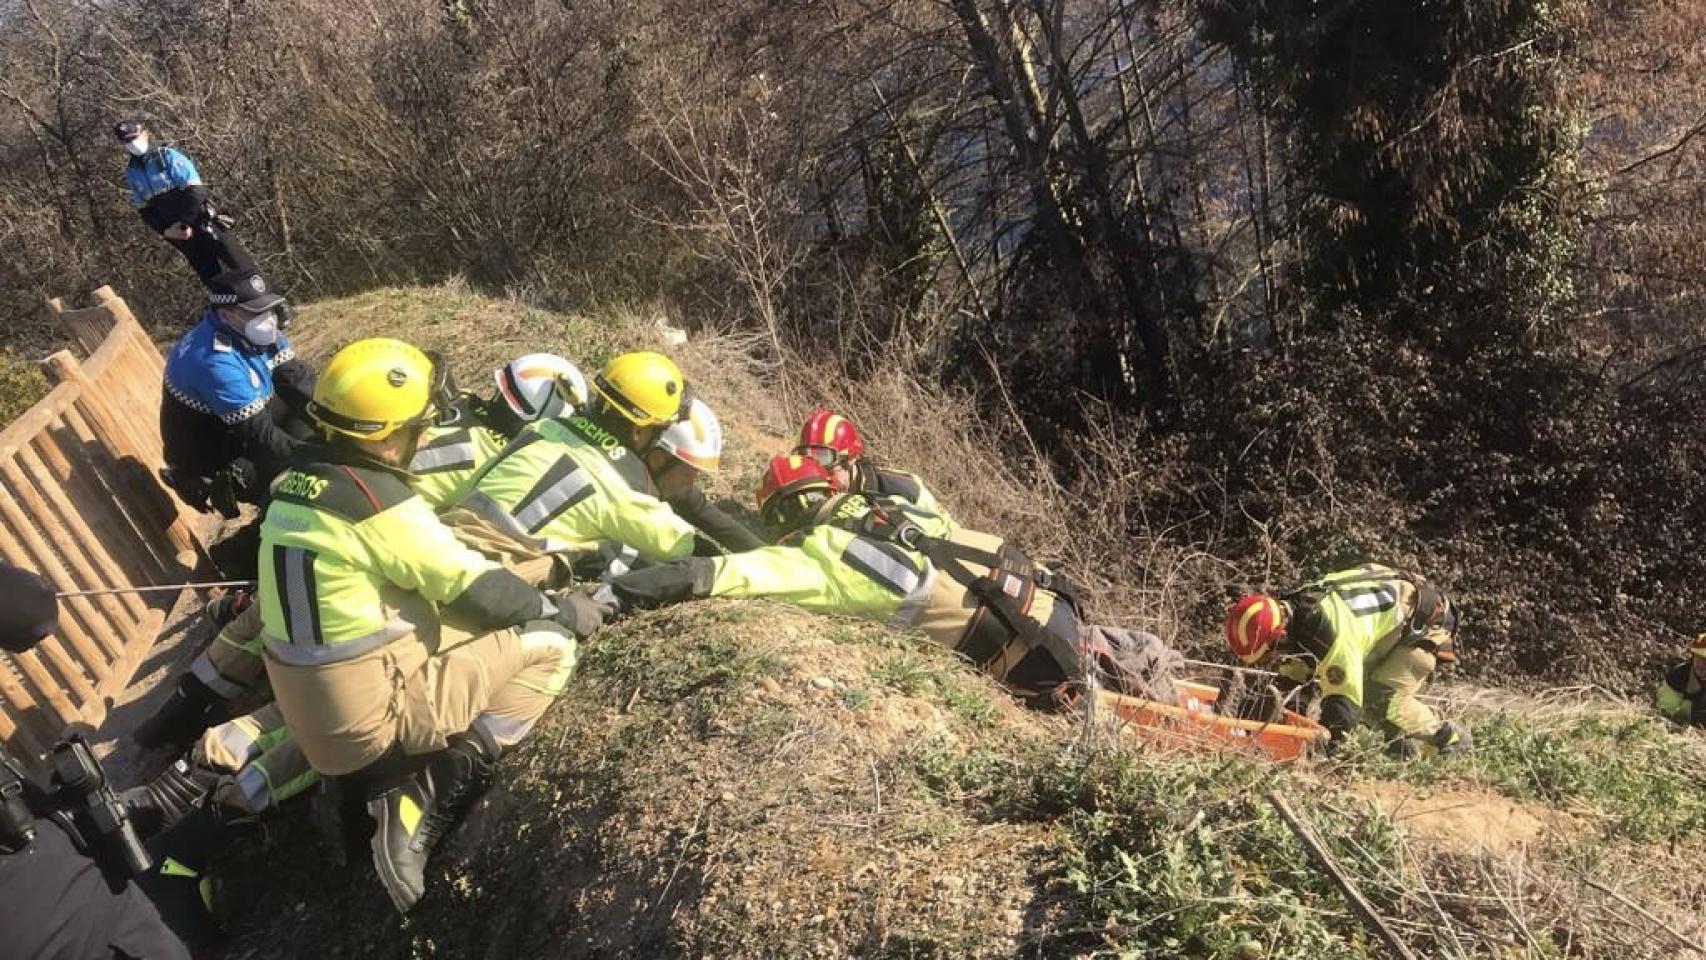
1004	594
1433	608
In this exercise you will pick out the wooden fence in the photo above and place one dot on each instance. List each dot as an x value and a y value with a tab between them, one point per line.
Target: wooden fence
81	503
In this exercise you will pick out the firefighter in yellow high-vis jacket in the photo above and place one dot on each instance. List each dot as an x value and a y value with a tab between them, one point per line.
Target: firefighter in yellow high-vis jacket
1366	641
402	661
1682	691
889	561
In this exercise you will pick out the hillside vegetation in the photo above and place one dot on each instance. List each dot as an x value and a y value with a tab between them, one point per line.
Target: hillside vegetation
740	779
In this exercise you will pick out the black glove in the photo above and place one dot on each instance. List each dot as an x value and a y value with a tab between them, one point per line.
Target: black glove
665	583
191	489
584	609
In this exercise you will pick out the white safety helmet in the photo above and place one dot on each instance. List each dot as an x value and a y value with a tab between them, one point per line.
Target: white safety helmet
696	439
541	385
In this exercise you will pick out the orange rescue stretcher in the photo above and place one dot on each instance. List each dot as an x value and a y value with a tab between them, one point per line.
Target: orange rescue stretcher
1194	724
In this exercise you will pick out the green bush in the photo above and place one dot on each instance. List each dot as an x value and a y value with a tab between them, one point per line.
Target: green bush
21	385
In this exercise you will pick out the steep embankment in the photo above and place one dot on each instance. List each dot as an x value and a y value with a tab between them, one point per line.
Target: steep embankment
743	780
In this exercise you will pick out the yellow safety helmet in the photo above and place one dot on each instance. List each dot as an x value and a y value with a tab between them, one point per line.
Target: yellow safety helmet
373	387
647	388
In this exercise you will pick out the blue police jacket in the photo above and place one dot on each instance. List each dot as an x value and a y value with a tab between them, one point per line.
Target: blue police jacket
214	371
157	172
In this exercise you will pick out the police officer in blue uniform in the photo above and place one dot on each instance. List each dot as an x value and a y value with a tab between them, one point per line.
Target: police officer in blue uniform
167	191
236	397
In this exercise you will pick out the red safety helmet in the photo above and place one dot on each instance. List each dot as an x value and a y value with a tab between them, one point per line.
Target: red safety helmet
829	438
1253	626
788	487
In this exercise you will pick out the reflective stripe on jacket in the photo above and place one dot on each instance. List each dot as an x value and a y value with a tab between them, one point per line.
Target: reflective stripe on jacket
351	559
569	486
1359	619
447	459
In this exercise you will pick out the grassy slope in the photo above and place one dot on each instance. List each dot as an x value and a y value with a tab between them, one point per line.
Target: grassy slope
743	780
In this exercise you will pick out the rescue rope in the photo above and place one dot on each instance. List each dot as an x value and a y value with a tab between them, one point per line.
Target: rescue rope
161	588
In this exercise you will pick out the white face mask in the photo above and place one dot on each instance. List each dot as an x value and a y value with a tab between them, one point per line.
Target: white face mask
137	145
262	331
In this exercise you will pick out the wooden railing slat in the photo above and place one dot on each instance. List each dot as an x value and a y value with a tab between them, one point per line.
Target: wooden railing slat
93	477
48	690
23	709
81	503
69	669
103	615
32	484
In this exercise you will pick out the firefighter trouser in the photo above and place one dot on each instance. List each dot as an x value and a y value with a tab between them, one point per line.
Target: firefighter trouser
212	251
1682	693
345	715
1393	686
263	765
525	560
231	666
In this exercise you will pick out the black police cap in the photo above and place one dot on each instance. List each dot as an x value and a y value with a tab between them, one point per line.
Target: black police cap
29	608
244	288
126	130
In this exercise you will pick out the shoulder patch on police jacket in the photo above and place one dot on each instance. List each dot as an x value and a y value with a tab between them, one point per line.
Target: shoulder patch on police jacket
354	493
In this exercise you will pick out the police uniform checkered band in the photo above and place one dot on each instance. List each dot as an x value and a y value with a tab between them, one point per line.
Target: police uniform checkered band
246	411
222	299
284	355
188	400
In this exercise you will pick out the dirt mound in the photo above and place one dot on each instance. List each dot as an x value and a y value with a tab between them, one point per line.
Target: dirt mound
1466	820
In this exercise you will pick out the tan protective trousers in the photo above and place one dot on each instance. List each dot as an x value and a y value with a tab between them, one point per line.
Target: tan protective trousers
525	560
1394	683
231	665
346	715
260	765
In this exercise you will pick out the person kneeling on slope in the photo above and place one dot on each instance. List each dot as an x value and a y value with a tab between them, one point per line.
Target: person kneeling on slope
579	486
403	662
835	443
1682	692
475	429
1367	640
855	555
227	679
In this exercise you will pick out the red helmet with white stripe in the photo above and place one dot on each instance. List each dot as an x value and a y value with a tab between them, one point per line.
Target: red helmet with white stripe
540	385
792	485
830	438
1253	625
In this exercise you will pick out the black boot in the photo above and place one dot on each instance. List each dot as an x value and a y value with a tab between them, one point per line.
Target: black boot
413	817
158	804
190	709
